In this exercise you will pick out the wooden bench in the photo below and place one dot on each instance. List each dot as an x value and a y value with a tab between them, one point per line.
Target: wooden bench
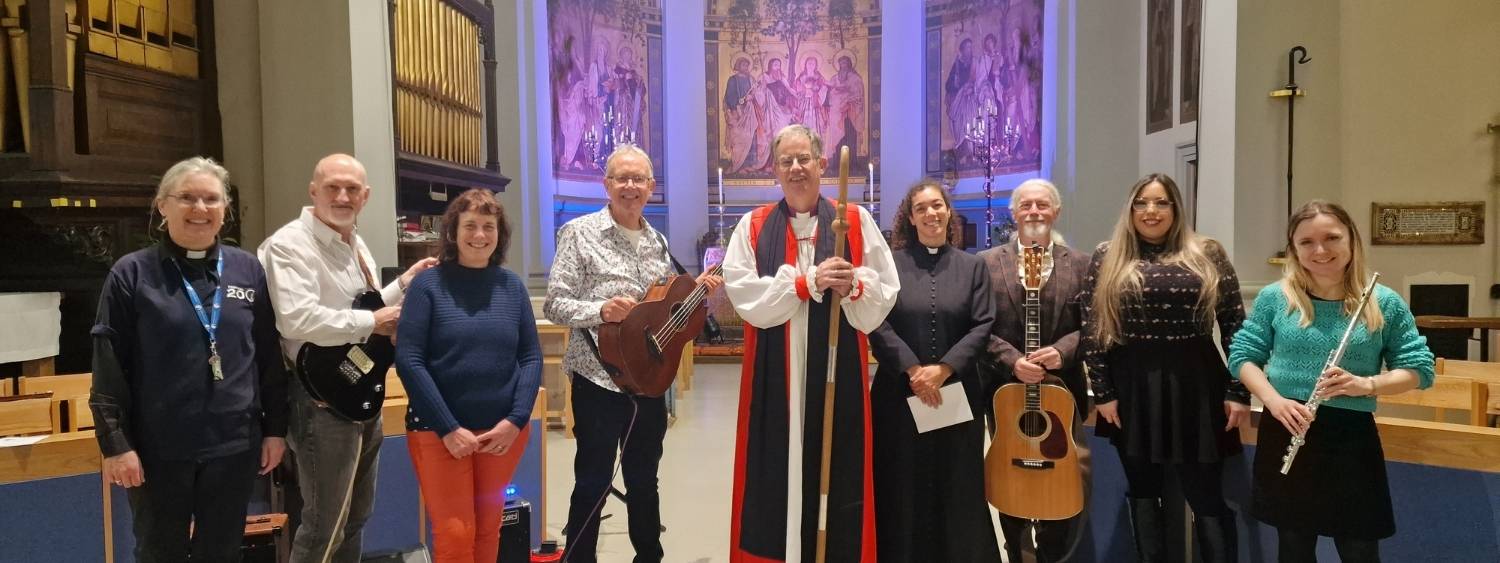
70	405
1487	373
1447	392
25	415
393	386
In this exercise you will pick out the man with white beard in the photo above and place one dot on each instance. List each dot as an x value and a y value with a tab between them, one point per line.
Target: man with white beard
1035	205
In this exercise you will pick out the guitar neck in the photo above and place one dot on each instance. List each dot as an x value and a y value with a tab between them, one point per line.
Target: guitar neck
1033	310
701	292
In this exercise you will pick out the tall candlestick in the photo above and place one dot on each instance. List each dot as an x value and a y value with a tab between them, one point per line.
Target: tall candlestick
871	178
721	188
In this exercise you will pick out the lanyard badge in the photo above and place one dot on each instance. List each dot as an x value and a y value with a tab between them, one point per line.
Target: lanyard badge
210	321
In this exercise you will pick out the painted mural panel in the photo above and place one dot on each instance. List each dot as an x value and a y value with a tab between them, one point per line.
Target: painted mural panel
605	61
983	83
771	63
1159	65
1191	57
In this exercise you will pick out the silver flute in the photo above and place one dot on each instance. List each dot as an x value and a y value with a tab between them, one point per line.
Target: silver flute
1334	357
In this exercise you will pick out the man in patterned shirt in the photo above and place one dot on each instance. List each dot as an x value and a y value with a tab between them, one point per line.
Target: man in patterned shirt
605	261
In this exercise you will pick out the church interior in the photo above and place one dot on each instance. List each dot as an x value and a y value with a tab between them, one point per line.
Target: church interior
1252	107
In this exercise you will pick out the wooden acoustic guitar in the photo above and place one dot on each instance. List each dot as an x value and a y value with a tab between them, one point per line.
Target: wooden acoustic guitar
641	352
349	378
1031	469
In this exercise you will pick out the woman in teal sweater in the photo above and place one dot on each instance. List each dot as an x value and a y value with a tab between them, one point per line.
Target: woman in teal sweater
1338	485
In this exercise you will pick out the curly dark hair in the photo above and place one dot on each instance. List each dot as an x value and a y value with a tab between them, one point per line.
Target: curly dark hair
904	233
479	201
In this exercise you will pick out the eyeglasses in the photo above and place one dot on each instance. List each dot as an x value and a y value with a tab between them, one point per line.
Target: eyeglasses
1145	204
1037	205
190	201
628	180
786	162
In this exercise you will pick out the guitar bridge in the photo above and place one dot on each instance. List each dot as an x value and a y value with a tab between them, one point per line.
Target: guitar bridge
351	374
1032	463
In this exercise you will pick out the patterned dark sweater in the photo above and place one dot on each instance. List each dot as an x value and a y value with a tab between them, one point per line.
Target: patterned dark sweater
1166	310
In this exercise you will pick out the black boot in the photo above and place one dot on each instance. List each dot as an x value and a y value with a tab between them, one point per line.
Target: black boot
1217	538
1148	523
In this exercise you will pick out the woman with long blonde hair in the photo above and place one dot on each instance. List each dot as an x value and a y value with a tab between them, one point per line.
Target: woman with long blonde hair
1338	486
1152	297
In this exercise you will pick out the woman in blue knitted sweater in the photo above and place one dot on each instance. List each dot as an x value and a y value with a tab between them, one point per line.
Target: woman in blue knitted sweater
1338	486
467	351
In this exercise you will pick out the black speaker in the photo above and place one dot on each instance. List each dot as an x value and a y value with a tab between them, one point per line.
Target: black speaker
515	532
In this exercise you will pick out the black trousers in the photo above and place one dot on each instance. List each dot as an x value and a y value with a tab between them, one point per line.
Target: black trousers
208	495
601	419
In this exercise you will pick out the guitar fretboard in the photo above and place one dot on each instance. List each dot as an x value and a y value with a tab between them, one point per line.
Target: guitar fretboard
1033	310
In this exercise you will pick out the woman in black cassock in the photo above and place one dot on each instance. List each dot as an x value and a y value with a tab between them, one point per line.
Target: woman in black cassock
929	487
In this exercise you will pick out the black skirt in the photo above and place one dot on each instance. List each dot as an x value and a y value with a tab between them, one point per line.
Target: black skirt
1171	402
1337	485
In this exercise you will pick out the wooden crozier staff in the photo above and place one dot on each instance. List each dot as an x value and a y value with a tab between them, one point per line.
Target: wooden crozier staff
840	226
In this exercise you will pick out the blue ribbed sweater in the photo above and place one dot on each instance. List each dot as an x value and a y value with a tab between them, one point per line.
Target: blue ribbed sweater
1293	356
467	350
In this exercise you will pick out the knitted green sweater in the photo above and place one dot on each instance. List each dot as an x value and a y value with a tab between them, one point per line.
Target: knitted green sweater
1293	356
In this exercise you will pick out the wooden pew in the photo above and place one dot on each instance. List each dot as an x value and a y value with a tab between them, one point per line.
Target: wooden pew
24	415
393	386
1487	373
1447	392
70	397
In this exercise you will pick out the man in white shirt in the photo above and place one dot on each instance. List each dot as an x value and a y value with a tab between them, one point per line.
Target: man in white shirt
316	266
783	278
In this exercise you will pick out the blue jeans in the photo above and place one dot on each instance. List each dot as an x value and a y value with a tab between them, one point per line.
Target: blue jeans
336	464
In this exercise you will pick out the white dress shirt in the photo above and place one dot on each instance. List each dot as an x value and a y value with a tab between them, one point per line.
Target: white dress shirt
314	277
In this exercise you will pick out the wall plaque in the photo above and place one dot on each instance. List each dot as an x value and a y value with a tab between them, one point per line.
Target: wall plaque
1441	222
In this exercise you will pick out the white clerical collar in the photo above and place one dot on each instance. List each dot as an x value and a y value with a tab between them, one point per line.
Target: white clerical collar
196	254
933	250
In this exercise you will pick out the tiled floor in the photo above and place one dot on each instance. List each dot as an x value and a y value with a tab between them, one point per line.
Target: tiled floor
696	477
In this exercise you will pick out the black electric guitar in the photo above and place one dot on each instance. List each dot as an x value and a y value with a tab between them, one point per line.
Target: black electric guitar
349	378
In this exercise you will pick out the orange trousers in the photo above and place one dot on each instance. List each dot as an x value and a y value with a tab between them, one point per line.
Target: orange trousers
465	498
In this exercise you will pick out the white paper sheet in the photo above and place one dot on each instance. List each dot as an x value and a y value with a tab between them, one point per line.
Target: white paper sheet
955	409
14	441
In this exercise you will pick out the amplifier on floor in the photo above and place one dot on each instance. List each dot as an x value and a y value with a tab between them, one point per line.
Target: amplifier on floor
266	539
515	532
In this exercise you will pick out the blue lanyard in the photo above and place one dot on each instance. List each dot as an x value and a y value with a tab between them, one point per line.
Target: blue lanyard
210	323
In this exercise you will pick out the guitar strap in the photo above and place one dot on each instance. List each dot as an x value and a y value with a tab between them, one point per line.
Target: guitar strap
363	268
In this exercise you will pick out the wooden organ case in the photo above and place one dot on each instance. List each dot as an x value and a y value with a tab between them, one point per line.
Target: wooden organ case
446	130
97	99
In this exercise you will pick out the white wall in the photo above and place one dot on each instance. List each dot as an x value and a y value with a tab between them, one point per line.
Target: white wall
1103	119
518	119
237	46
1419	84
1265	34
325	87
687	172
372	115
1218	212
